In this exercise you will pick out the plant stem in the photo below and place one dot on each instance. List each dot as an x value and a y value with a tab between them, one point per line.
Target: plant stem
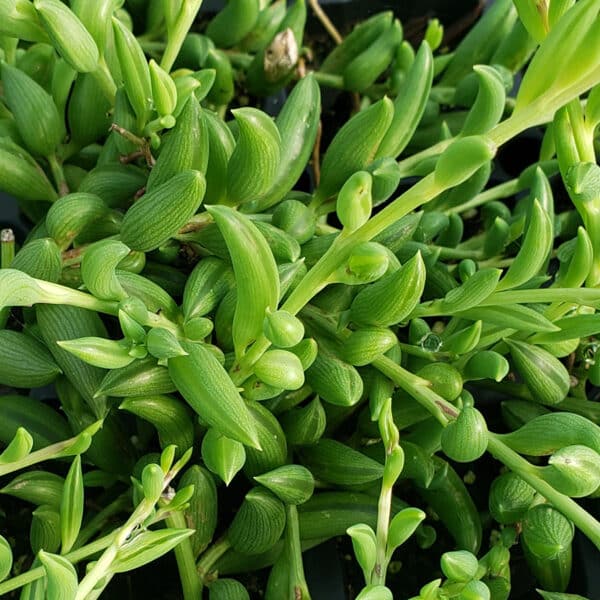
98	521
183	22
7	248
211	556
298	586
48	453
585	296
325	21
329	80
103	565
503	190
74	557
190	581
439	408
384	509
570	509
418	388
58	174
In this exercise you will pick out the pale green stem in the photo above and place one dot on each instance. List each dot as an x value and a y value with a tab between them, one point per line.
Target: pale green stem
538	112
298	586
503	190
7	248
102	566
7	253
590	214
176	36
408	164
10	49
190	581
211	556
384	509
583	140
50	452
580	296
74	557
567	506
418	388
329	80
98	521
60	294
457	253
58	174
585	296
441	409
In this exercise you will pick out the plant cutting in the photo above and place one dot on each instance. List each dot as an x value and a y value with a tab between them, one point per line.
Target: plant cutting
263	333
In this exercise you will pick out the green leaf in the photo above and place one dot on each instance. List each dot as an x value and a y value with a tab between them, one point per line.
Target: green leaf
571	328
476	289
98	269
71	506
459	565
402	526
255	271
6	558
99	352
62	578
546	532
559	596
375	592
146	547
222	455
513	316
537	244
19	447
365	547
545	376
19	289
292	484
547	433
44	532
252	167
153	482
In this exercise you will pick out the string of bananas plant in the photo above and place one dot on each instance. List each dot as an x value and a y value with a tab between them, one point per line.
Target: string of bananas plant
244	366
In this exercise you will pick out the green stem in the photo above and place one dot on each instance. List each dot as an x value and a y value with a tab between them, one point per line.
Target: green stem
103	565
568	507
457	253
585	296
384	509
49	453
504	190
58	174
408	164
98	521
190	582
329	80
176	36
211	556
439	408
298	586
583	140
537	113
74	557
7	248
60	294
418	388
